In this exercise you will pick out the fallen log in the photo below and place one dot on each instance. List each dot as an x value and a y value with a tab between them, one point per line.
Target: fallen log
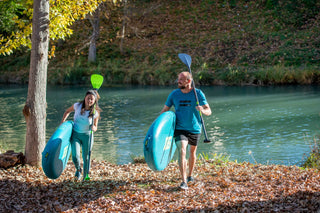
11	158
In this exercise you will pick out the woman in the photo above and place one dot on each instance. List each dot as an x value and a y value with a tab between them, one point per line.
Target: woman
83	113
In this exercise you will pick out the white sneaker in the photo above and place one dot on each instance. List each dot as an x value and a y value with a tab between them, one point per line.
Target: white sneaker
184	186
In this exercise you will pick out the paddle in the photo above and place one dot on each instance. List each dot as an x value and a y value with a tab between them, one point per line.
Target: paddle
96	82
186	59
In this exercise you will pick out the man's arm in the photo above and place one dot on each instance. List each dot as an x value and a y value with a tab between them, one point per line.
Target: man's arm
164	109
204	109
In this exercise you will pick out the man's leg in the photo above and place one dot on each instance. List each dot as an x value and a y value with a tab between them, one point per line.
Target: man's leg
192	159
182	160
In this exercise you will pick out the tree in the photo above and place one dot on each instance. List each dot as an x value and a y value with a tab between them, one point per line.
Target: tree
35	107
94	20
124	22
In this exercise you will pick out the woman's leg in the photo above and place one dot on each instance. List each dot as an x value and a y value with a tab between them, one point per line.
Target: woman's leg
85	154
75	148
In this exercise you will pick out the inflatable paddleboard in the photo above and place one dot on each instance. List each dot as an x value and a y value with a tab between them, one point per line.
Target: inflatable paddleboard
56	154
159	144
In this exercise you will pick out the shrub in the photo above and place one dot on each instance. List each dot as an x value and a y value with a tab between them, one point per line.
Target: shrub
313	161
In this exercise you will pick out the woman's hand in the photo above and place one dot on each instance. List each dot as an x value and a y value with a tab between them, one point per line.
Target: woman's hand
94	128
95	124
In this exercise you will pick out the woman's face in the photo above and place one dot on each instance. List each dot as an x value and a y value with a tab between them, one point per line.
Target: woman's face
90	100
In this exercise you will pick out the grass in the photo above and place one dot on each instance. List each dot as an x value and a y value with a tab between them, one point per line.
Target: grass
138	159
250	153
218	159
270	75
202	157
313	160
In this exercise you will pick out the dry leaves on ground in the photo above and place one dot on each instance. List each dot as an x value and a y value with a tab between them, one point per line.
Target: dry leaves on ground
230	187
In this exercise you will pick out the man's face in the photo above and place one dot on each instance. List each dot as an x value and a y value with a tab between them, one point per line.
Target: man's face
182	81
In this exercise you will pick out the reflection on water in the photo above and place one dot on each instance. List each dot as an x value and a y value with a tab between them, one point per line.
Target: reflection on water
274	124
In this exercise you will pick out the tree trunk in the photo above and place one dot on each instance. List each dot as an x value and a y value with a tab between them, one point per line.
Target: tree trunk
35	107
95	35
124	19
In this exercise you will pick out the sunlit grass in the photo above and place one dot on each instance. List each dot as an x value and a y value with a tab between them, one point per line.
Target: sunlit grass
138	159
202	157
250	153
217	159
313	160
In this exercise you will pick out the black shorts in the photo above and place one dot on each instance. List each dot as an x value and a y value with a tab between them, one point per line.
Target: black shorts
187	136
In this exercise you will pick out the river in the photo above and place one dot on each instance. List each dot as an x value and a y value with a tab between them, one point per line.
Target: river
268	125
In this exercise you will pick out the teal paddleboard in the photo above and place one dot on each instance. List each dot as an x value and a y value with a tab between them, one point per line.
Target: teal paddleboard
56	154
159	144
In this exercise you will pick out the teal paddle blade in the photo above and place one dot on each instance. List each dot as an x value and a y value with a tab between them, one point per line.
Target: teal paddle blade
96	81
186	59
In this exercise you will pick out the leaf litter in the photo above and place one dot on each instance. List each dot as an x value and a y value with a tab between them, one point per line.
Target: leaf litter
226	187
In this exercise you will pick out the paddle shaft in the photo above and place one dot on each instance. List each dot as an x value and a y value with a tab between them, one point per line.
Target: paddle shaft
89	145
186	59
96	82
206	140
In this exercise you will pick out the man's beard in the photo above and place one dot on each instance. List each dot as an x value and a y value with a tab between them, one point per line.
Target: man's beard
181	86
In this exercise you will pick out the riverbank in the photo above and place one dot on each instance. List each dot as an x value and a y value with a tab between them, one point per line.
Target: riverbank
219	186
128	75
230	42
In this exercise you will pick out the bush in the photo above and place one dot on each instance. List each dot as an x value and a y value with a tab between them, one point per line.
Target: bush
313	161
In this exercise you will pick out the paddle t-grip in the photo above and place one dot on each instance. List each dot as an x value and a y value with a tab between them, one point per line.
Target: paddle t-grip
206	141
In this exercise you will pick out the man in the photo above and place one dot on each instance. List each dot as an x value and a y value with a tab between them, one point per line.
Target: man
188	123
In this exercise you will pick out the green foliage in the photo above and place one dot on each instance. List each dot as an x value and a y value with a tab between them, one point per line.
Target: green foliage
11	11
203	74
217	159
271	4
281	74
313	161
15	63
137	159
294	12
235	75
62	15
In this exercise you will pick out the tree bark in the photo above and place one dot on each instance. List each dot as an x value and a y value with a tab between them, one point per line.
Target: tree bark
95	35
124	19
35	107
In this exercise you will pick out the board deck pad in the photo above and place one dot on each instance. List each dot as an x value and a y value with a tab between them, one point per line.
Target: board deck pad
57	152
159	143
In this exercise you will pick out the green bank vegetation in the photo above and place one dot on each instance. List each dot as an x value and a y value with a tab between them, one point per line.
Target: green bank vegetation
231	42
313	160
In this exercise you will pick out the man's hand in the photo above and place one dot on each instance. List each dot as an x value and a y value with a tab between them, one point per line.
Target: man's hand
205	109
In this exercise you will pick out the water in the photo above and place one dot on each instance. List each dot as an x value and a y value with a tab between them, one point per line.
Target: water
269	125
